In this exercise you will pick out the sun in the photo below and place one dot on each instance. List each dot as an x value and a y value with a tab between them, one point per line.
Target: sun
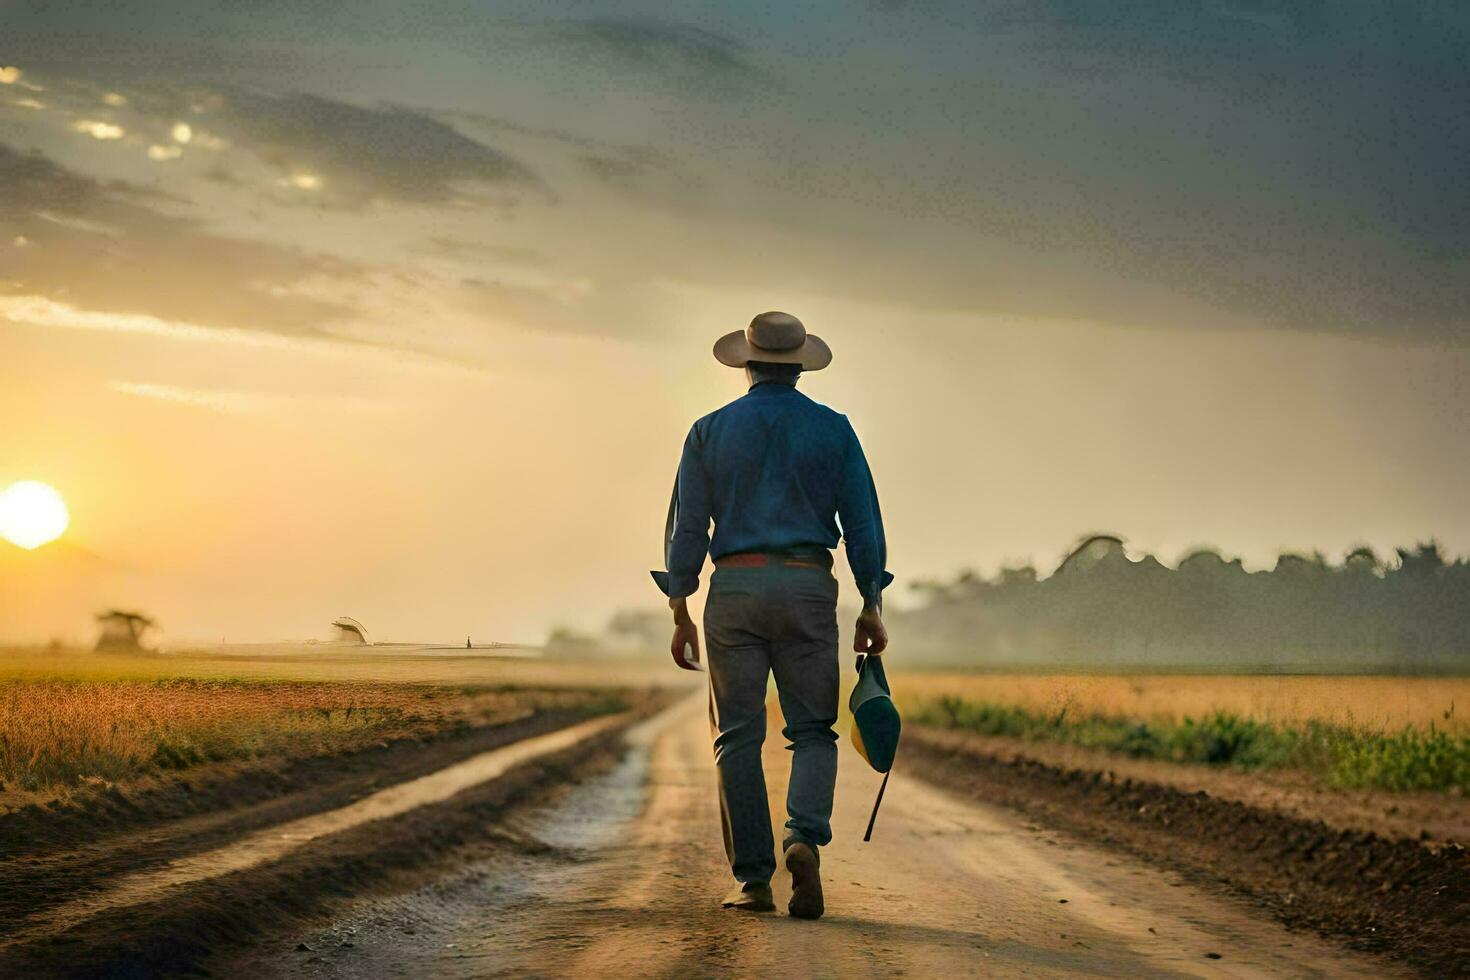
32	514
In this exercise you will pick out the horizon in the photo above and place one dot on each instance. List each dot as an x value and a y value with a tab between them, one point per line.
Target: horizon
1385	561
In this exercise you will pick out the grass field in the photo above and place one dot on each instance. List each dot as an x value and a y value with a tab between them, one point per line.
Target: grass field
79	720
72	719
1390	733
323	662
1383	704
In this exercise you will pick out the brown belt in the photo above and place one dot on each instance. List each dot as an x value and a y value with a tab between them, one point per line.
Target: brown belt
760	559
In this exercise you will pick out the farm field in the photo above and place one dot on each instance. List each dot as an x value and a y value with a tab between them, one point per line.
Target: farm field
1382	733
80	722
324	662
1384	704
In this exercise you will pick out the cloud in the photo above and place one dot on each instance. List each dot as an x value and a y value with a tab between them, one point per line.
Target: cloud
682	54
39	311
43	312
354	154
226	402
1290	165
450	247
1209	162
253	403
105	246
623	166
98	129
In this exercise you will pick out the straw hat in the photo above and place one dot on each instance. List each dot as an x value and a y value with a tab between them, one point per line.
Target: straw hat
773	338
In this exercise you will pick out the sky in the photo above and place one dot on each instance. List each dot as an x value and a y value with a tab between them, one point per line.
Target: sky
403	311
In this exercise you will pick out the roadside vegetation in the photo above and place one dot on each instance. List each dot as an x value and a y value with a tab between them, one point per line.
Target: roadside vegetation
1355	701
1411	758
64	733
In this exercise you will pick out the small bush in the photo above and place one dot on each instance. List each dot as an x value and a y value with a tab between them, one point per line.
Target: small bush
1410	760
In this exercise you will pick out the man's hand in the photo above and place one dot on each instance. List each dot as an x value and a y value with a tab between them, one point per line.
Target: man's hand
872	635
685	633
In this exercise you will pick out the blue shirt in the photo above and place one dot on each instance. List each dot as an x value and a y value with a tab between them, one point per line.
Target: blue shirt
776	472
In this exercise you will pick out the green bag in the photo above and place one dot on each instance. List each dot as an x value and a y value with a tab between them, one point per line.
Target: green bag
875	724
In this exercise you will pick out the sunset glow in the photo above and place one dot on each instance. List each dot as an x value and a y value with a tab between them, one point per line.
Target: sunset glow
32	514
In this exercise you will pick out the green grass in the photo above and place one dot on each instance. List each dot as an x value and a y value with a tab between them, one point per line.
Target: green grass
1411	759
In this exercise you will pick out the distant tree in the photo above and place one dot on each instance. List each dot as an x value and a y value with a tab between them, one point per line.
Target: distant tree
1013	577
122	631
1362	559
644	628
1425	559
566	642
930	590
1292	565
1202	559
1090	551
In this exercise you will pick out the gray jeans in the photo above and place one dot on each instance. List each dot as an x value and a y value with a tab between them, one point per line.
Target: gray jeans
759	621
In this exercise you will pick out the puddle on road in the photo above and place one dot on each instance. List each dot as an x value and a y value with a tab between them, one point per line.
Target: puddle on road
599	810
448	923
273	843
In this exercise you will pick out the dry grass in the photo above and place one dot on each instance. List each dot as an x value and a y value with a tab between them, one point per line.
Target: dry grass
70	720
1380	704
298	662
63	732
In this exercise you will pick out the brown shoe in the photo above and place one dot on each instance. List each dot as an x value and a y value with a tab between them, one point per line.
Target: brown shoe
806	882
753	896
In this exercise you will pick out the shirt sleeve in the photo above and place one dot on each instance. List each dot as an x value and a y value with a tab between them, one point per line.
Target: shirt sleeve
688	542
862	523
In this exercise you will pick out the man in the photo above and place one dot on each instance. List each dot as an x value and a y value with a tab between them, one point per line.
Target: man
776	472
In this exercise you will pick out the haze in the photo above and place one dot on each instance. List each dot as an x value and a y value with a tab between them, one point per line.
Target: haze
311	311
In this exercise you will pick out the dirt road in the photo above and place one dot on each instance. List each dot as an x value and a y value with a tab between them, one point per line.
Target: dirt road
630	881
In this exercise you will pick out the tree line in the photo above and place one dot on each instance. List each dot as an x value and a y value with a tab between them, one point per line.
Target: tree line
1101	608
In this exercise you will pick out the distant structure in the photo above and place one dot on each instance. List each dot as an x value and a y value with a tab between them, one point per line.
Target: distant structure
122	631
350	631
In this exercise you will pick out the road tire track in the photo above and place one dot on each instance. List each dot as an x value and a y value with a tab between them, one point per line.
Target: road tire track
171	930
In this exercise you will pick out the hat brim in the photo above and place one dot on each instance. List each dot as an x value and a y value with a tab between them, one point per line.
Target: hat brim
734	350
